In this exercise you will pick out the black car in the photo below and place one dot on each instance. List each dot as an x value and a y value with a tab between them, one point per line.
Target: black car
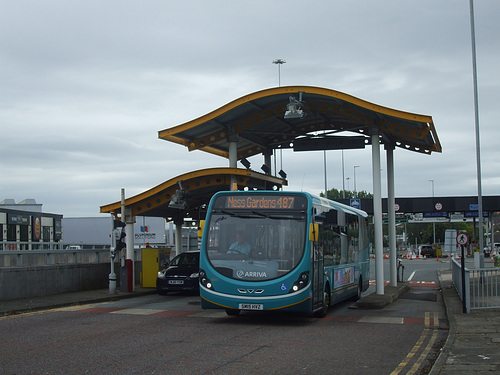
181	274
427	250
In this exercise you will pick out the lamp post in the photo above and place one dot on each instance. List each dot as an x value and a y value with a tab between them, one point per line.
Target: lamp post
279	62
433	224
476	122
355	194
343	178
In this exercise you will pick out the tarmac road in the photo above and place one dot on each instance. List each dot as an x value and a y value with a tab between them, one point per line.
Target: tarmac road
93	331
154	334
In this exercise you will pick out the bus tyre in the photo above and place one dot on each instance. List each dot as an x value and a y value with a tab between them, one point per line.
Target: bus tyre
232	312
359	290
326	303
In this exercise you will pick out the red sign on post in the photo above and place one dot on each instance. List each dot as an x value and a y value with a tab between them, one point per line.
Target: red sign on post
462	239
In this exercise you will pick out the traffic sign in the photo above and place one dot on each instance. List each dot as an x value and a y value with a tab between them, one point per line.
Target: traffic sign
356	203
462	239
438	206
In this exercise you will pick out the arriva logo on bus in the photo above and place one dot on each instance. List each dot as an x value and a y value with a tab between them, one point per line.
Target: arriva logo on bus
241	274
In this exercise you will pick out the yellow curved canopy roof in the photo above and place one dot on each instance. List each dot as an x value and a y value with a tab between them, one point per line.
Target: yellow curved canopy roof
257	122
199	186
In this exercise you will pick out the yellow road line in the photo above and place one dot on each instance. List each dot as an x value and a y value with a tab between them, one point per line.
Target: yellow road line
425	334
39	312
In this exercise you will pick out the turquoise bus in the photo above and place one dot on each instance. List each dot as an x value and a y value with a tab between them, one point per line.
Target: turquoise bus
288	251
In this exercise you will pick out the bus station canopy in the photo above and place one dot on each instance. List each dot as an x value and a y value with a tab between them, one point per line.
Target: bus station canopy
299	117
258	123
199	186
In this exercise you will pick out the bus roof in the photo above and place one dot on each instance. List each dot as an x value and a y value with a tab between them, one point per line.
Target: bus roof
327	203
316	200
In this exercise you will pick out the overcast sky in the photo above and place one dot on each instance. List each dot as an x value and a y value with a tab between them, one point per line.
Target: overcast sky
85	86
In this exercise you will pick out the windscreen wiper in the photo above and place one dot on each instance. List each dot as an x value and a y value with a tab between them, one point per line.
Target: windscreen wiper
280	217
260	213
232	214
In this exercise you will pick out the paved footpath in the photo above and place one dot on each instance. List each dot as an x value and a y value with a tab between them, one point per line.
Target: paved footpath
473	344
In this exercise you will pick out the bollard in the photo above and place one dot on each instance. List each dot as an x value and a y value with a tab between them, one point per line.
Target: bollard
400	265
112	283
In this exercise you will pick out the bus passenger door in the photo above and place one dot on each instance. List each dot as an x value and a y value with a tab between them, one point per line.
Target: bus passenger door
317	274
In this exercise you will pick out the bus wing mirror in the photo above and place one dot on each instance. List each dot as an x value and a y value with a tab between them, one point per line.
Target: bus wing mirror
200	228
313	232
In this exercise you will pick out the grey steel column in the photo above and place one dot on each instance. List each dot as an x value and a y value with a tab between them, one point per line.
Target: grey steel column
476	118
233	156
391	210
377	214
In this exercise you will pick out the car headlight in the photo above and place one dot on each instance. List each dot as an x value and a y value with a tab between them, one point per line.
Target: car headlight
194	275
161	274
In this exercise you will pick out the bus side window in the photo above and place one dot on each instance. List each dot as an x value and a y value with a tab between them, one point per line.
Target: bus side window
331	245
353	238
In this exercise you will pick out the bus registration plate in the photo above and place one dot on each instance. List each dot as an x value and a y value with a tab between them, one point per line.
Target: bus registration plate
251	306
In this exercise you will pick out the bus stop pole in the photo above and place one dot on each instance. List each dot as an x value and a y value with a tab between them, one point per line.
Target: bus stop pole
462	264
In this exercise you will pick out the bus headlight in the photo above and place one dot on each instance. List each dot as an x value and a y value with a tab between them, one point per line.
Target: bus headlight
301	282
205	281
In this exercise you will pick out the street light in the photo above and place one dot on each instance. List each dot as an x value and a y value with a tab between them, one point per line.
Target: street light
432	182
355	194
279	62
433	224
476	122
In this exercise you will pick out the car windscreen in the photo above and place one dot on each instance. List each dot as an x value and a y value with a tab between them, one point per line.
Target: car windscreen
186	259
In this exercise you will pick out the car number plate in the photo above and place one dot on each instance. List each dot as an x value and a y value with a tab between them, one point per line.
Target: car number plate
176	282
251	306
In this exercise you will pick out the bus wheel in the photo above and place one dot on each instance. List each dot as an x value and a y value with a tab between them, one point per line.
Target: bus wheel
357	297
326	303
232	312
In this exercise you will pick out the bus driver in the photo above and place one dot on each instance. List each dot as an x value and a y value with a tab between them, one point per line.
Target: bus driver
240	246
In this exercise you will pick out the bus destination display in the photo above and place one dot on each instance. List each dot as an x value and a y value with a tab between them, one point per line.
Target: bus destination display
261	201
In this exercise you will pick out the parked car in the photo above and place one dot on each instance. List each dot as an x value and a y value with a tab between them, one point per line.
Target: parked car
181	274
427	250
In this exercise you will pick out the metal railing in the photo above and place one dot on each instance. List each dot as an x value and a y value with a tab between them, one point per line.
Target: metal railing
32	258
27	245
482	286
